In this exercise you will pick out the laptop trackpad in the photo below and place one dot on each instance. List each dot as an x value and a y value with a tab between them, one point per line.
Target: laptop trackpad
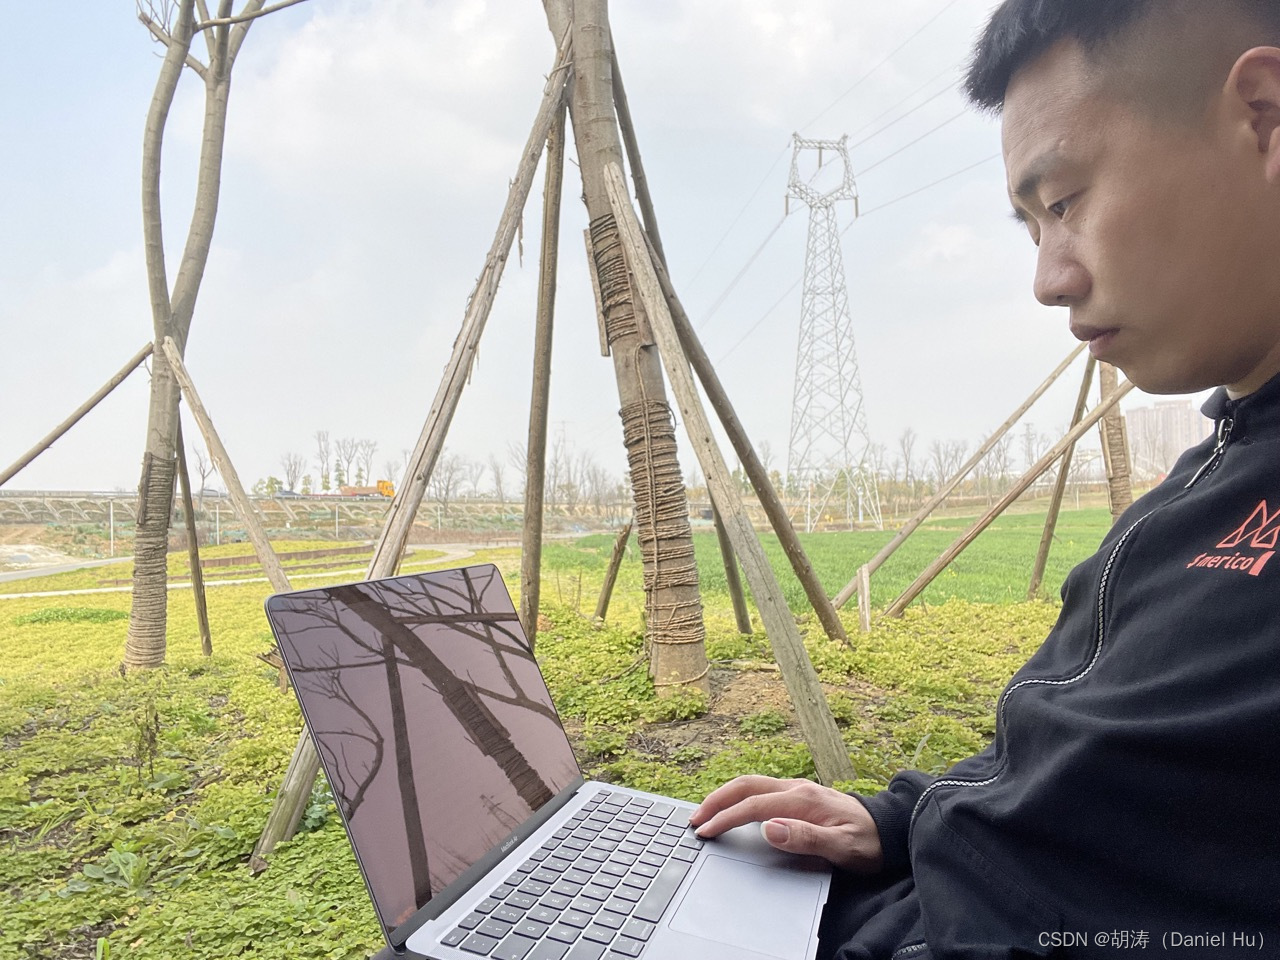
760	909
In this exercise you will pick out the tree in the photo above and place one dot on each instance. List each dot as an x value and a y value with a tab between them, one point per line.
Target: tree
292	464
906	447
205	469
496	468
474	471
675	627
347	449
173	24
445	479
323	460
365	449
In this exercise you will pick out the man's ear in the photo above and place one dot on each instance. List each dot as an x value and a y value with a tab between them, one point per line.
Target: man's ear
1255	80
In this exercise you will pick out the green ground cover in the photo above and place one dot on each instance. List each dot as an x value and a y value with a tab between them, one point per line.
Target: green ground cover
129	805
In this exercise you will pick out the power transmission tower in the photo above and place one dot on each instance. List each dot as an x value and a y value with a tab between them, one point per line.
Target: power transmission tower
828	456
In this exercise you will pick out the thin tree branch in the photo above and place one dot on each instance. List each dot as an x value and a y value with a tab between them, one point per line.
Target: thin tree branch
202	9
245	17
160	34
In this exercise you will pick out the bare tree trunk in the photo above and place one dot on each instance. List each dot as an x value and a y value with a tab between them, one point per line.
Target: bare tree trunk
676	632
171	314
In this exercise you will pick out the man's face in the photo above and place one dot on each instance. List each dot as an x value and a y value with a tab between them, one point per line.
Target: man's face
1159	237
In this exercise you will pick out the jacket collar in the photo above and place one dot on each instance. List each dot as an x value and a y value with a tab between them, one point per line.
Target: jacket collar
1256	415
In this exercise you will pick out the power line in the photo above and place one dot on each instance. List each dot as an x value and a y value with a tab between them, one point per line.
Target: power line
741	273
891	123
889	110
890	56
888	203
729	229
907	146
927	186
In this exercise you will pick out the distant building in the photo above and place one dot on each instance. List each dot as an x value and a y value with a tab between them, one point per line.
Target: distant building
1158	434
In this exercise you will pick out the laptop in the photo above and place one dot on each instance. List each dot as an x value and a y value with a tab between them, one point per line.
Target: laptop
473	826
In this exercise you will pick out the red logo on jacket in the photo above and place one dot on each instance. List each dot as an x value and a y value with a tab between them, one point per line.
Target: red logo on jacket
1261	530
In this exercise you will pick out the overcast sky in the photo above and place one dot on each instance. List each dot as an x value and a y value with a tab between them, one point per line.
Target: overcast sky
369	150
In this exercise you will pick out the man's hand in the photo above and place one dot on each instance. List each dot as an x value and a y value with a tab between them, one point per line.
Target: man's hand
798	816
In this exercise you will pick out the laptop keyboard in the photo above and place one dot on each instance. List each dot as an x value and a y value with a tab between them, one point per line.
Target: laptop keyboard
594	890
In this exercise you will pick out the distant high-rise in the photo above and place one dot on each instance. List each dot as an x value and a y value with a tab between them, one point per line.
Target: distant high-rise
1159	433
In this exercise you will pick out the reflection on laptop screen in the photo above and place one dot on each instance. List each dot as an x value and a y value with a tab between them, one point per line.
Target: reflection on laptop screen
431	717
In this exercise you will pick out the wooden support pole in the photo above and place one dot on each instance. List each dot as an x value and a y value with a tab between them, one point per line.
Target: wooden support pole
193	548
540	401
222	462
1115	449
830	756
1059	487
924	512
632	145
864	598
1030	477
773	506
404	506
731	577
611	576
291	800
72	420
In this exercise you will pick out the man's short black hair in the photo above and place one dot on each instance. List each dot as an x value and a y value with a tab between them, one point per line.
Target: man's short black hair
1021	30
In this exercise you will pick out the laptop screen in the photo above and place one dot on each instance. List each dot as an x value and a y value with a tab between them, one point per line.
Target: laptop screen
432	720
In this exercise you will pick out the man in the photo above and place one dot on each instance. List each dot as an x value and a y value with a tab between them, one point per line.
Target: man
1131	797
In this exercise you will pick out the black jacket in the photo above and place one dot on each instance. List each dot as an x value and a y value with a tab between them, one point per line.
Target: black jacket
1133	785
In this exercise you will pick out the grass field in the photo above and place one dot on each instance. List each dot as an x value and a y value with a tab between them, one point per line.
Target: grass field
129	804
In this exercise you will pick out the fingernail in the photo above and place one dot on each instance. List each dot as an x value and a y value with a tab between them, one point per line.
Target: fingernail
775	832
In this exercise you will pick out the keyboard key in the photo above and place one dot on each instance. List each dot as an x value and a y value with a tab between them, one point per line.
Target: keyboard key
531	928
585	905
631	847
634	894
548	950
598	933
508	914
638	929
618	905
487	905
640	803
670	830
600	843
685	854
614	869
659	895
586	950
662	809
606	880
544	914
514	948
646	869
576	919
556	901
543	875
521	901
566	888
561	834
494	928
625	859
563	933
478	943
599	856
624	946
454	937
573	843
540	854
558	864
471	921
640	881
527	867
613	921
594	891
577	876
612	834
534	888
691	840
628	818
502	891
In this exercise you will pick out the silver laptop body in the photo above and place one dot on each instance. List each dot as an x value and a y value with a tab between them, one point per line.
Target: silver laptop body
474	829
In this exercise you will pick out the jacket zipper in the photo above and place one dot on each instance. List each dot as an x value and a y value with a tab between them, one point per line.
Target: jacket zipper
1224	429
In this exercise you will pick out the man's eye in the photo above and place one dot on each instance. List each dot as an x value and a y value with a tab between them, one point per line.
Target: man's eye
1059	209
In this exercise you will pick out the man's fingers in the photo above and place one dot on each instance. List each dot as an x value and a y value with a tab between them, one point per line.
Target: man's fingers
786	803
735	792
836	844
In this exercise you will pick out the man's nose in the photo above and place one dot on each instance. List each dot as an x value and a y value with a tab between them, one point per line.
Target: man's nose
1061	280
